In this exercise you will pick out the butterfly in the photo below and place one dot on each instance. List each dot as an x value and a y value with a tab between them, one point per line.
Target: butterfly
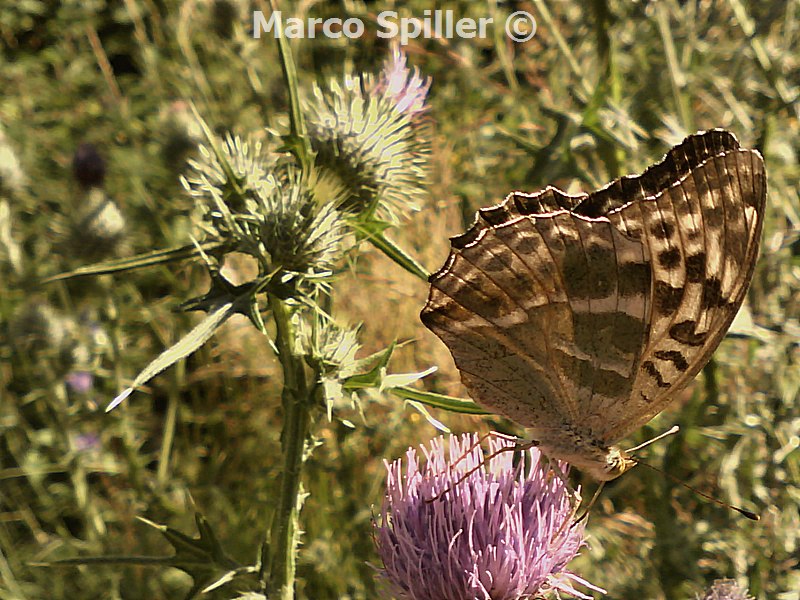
580	317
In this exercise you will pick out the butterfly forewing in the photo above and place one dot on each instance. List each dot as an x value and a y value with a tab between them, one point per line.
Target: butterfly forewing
703	235
581	316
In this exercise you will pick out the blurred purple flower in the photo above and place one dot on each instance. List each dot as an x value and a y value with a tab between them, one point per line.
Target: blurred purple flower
87	441
502	533
80	381
726	589
406	88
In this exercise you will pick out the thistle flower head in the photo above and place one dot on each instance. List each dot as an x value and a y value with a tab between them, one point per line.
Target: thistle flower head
462	528
370	136
181	133
333	349
87	442
301	234
265	207
39	331
79	381
725	589
97	228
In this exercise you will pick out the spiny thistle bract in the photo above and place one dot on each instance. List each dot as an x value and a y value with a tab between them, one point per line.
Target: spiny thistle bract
372	136
248	161
463	529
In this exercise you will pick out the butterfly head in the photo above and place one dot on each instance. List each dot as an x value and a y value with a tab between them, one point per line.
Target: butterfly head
601	462
617	461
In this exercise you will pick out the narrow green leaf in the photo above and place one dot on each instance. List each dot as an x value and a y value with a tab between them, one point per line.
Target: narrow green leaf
186	346
450	403
139	261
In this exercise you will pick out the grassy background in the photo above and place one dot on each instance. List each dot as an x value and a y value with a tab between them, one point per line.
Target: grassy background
603	89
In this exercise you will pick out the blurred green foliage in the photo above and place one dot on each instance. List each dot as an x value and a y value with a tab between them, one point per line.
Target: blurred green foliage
603	89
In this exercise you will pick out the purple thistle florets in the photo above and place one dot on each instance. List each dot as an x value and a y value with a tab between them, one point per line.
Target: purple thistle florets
406	88
79	381
471	529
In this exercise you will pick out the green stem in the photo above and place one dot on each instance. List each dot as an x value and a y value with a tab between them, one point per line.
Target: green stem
297	395
297	140
170	423
296	405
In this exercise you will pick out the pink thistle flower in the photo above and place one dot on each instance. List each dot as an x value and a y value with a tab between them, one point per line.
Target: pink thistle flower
463	529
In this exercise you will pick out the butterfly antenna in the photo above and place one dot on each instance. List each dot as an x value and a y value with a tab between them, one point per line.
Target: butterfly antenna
672	430
750	515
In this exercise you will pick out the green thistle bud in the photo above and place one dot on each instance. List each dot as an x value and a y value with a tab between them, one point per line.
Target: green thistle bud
245	160
300	233
333	349
266	209
38	326
98	227
181	133
39	331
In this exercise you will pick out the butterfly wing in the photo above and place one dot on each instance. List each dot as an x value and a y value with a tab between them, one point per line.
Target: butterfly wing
587	313
702	235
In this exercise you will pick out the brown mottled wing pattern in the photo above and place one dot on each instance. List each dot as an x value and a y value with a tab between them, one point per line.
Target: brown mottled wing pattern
702	233
587	312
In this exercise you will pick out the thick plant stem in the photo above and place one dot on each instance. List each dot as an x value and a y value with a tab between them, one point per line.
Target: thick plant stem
297	401
297	405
